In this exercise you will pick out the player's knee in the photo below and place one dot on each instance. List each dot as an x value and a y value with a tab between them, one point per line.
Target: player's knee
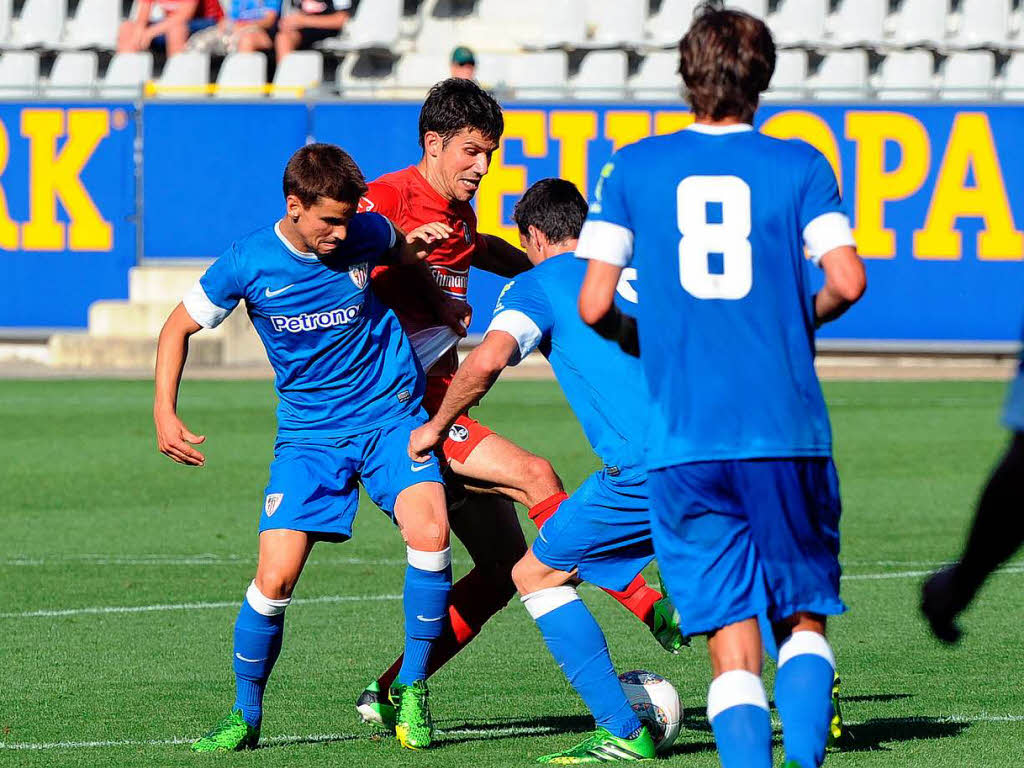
263	603
539	480
429	536
276	583
530	575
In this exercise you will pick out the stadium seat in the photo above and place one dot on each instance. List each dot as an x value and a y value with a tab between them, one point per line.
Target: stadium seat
842	76
983	23
185	76
799	22
95	25
373	27
1013	78
758	8
906	76
658	78
73	75
921	22
562	24
40	24
540	75
967	76
363	75
492	69
416	72
858	23
19	74
669	24
441	28
126	75
6	11
789	82
616	23
298	72
602	75
242	76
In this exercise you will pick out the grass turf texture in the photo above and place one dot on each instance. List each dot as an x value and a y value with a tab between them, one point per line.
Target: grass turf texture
94	517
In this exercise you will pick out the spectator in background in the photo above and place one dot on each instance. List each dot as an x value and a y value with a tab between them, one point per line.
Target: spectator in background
463	63
250	25
180	19
310	22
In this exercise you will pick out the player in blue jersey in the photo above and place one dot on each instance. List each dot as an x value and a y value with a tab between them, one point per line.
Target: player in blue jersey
602	533
996	533
349	391
744	495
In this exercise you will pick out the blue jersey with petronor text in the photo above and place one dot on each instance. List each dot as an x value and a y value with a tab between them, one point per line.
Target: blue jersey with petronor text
604	386
715	220
343	364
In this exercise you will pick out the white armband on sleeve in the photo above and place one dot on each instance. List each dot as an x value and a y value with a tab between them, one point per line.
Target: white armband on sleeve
202	310
520	327
607	242
826	232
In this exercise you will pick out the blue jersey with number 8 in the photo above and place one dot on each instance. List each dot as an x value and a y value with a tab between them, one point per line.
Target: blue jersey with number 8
716	219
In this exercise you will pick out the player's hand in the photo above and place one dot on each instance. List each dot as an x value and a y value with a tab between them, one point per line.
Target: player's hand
422	442
457	315
175	440
426	237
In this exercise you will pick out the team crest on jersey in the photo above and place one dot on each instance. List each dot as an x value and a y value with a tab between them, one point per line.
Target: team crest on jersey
458	433
273	502
359	273
466	234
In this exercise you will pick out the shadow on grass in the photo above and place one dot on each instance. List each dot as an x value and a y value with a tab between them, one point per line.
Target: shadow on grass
872	734
880	697
456	731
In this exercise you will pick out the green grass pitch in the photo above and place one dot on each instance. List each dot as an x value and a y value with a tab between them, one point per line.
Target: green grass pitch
93	520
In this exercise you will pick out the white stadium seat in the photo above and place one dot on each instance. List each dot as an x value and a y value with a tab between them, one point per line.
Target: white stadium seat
19	74
298	72
967	76
842	76
415	73
921	22
185	76
126	75
242	76
758	8
616	23
1013	78
364	75
658	78
40	24
859	22
983	23
906	76
492	69
6	11
373	27
602	75
95	25
541	75
789	82
670	23
73	75
799	22
563	23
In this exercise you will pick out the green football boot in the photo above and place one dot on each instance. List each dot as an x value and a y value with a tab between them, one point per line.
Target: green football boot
837	734
413	724
602	747
230	734
374	708
666	629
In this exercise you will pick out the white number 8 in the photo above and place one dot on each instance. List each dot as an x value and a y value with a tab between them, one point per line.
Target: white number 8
700	238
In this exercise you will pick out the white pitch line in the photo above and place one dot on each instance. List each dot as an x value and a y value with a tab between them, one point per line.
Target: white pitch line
315	738
99	560
914	574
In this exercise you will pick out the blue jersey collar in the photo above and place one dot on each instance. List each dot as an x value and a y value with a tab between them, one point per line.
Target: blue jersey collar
719	130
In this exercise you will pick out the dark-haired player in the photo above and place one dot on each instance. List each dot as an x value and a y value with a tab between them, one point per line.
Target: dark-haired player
349	389
460	126
744	494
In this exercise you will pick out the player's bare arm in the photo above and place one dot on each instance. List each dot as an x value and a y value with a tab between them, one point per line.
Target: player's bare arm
598	310
472	381
500	257
418	243
173	438
845	282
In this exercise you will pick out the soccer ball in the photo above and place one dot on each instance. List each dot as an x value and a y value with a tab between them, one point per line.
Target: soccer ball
656	703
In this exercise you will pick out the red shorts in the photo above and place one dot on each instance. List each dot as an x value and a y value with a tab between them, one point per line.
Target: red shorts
465	434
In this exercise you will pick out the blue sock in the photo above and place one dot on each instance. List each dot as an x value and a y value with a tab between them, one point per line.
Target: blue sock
428	582
578	645
259	629
738	711
803	696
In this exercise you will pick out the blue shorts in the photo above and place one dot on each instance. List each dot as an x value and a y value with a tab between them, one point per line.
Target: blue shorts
1013	414
314	483
604	530
739	539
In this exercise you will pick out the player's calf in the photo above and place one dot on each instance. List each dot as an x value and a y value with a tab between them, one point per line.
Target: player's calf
803	696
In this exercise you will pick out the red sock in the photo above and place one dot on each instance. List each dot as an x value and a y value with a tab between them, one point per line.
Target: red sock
541	512
474	599
639	599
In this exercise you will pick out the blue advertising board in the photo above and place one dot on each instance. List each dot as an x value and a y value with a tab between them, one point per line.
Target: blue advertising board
67	206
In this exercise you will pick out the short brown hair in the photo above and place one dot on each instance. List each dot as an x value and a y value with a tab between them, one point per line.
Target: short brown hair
323	170
726	59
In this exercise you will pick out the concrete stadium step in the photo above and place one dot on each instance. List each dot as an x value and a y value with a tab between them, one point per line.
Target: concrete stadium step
81	350
160	283
114	318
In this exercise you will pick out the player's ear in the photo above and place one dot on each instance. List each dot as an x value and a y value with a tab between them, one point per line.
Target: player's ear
293	206
536	237
433	143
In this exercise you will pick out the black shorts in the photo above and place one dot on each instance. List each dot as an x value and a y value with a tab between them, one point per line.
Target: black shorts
310	36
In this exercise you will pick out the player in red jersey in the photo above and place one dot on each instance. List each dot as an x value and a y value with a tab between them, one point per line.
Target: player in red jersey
459	128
